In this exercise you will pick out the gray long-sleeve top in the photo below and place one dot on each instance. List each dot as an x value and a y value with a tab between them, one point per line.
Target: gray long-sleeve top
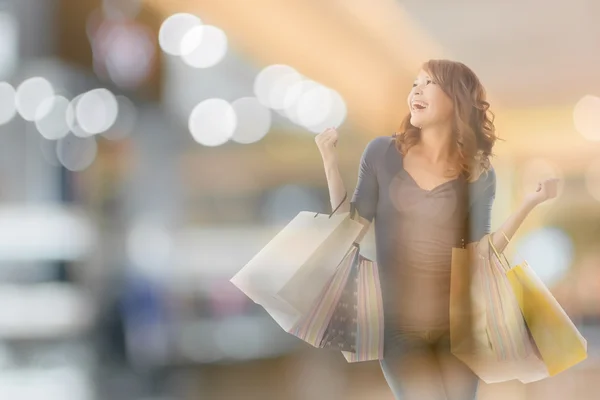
415	230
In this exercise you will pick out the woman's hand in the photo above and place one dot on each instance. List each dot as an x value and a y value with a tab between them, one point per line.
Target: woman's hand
326	142
546	190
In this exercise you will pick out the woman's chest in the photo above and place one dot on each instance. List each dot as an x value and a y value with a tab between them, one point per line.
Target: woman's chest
402	199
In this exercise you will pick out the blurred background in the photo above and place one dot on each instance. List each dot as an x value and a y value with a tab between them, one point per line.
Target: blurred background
149	148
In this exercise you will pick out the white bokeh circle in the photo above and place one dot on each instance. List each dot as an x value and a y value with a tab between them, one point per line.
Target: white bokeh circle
173	30
253	120
212	122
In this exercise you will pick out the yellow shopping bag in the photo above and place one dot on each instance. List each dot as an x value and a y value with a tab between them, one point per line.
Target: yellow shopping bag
558	340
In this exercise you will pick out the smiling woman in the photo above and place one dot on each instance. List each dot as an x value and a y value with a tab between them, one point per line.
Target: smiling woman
429	188
449	92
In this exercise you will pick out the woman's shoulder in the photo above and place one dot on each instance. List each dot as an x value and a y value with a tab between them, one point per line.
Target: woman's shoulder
485	181
379	146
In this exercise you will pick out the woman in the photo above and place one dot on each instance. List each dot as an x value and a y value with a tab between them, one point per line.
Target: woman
429	188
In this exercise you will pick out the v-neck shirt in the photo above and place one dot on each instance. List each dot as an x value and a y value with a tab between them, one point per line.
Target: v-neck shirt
415	231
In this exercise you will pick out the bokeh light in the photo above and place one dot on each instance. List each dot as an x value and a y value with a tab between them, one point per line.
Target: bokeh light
305	102
204	46
592	179
75	153
96	111
8	108
314	105
30	94
212	122
174	29
51	118
72	121
549	251
292	100
586	117
253	120
336	116
272	84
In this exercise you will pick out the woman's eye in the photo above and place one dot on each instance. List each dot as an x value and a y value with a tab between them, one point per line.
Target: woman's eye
427	82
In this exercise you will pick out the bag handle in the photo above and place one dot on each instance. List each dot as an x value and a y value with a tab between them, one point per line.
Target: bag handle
352	208
496	252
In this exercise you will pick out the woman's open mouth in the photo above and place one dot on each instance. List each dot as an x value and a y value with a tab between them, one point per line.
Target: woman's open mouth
417	105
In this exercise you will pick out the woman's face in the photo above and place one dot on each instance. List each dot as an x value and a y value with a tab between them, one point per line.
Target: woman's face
428	104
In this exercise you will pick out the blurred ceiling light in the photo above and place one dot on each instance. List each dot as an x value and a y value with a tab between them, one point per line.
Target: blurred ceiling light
9	46
314	105
212	122
8	107
586	117
191	40
292	99
592	179
51	118
126	120
30	94
71	117
336	116
75	153
280	89
538	169
174	29
253	120
96	111
549	251
206	48
272	84
37	233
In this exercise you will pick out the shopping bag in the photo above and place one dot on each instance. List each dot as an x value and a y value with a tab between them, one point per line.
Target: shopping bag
327	323
290	272
559	342
368	343
487	330
348	316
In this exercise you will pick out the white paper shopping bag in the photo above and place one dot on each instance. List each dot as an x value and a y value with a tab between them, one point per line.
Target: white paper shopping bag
294	267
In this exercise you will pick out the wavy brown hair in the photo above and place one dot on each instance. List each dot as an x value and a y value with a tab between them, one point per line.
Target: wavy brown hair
473	122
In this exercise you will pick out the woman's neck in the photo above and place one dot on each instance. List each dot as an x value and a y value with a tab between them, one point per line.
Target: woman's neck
436	144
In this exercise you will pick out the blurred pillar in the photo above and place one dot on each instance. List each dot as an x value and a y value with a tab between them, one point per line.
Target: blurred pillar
154	210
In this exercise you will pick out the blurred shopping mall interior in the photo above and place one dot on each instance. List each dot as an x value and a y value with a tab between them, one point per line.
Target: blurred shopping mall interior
149	148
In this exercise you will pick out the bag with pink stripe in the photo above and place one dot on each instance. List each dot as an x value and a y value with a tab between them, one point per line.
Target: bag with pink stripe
348	315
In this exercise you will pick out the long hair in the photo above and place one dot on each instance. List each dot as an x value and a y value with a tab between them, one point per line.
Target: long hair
473	122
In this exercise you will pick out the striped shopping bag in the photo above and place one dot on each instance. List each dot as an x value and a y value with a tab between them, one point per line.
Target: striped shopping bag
369	305
487	329
349	313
